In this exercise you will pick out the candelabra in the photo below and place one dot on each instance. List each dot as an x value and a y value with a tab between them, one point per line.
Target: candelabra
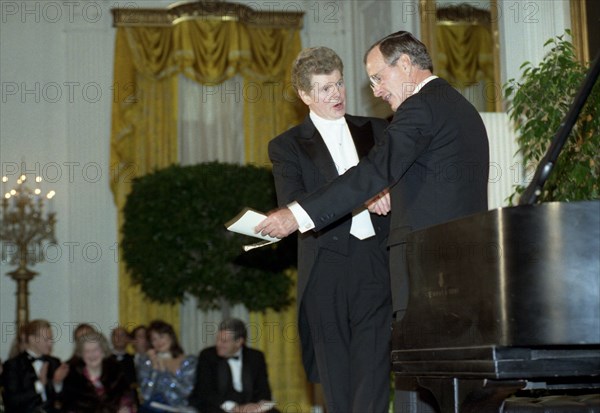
24	231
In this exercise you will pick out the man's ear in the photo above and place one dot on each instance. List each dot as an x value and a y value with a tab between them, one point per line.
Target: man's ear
404	62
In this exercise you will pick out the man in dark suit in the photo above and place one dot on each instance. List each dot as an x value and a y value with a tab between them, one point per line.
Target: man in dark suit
434	158
33	379
344	303
231	377
120	338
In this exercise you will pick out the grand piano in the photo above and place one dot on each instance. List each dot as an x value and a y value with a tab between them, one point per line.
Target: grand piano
506	300
501	301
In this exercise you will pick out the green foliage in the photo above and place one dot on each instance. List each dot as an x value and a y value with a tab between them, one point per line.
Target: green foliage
538	104
175	240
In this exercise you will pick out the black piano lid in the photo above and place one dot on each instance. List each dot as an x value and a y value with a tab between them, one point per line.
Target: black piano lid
498	283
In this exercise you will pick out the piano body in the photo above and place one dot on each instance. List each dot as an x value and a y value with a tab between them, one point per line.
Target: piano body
503	300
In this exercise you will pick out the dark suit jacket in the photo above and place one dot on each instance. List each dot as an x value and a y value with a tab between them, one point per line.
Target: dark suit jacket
435	157
19	386
302	164
213	380
127	364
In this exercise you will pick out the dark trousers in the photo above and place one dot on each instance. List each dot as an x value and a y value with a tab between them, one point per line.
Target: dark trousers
347	303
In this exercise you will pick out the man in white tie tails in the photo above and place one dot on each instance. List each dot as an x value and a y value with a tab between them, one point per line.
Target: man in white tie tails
344	302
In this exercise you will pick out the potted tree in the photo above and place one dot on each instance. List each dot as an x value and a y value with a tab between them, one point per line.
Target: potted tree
175	241
538	103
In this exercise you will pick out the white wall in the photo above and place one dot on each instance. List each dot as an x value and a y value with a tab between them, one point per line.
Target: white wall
56	73
525	27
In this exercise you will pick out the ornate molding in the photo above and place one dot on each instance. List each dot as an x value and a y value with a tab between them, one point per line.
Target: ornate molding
463	13
221	11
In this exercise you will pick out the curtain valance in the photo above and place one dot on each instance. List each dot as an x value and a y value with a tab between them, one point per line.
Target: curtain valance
208	51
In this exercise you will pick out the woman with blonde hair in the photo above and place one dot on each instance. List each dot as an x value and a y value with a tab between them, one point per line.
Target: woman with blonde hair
95	383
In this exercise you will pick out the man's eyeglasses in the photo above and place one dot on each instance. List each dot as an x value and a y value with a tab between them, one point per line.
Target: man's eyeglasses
375	79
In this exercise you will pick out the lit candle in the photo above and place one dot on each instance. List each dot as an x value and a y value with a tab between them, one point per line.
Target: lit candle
50	197
37	198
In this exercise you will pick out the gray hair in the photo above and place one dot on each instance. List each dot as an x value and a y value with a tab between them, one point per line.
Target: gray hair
236	326
314	61
396	44
92	337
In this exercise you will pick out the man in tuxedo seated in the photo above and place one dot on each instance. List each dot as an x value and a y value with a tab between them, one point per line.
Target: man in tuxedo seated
33	379
231	377
120	338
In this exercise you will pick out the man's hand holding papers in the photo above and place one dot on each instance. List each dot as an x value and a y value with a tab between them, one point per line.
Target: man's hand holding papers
245	223
280	223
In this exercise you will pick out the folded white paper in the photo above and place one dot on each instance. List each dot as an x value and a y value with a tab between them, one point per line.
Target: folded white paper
245	222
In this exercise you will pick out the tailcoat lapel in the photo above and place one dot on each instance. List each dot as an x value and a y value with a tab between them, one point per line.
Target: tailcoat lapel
223	375
314	145
362	137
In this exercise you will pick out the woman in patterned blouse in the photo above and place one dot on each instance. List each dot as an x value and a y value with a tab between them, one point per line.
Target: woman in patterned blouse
166	375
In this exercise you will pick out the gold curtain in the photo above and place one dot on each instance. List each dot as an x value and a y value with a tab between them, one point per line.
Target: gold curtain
465	55
144	136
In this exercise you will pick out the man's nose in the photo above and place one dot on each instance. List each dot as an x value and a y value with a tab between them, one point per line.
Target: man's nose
376	90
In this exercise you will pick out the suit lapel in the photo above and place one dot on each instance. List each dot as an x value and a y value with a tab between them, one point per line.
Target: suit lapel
362	137
246	374
26	370
223	375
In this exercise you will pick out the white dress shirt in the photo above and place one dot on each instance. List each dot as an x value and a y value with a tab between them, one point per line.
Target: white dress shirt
235	365
37	366
337	138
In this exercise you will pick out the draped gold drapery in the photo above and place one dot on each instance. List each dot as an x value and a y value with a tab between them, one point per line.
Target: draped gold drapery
148	61
143	138
465	56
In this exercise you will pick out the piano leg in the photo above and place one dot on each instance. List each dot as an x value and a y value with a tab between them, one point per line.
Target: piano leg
410	397
470	395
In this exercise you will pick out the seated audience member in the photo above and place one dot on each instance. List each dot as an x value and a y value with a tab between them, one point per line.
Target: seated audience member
140	344
120	339
82	329
230	376
95	383
166	375
33	380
